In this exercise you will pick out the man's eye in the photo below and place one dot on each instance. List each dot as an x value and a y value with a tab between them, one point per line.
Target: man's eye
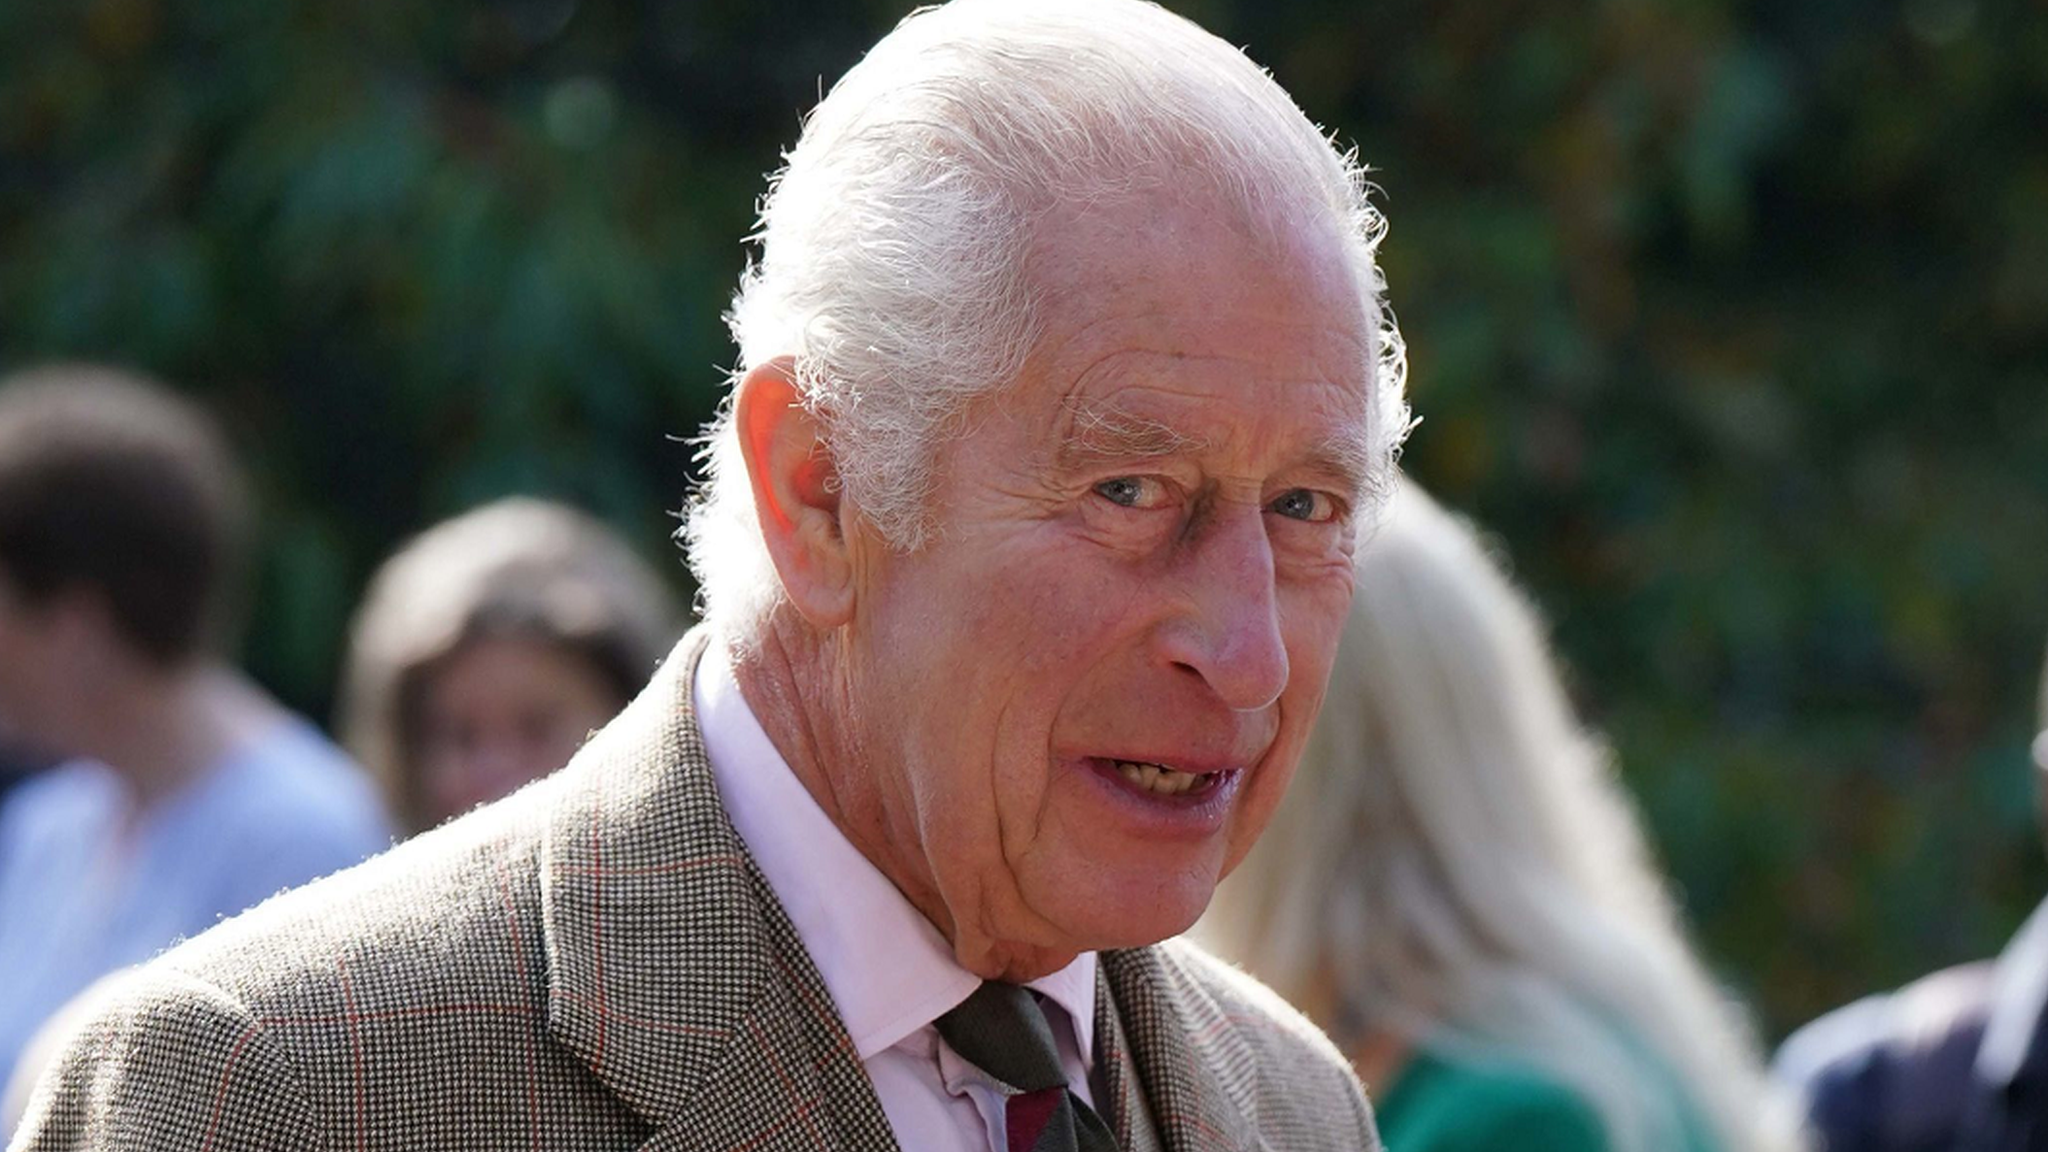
1304	504
1130	491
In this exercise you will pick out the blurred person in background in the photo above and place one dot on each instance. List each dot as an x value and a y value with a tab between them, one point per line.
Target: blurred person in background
185	793
18	762
1955	1060
489	646
1457	889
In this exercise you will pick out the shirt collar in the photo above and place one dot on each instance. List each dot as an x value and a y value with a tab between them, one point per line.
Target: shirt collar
888	968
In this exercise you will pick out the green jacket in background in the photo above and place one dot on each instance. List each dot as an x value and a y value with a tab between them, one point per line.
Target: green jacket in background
1437	1104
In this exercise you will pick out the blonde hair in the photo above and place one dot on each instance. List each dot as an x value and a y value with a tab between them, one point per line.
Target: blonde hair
521	567
893	263
1456	865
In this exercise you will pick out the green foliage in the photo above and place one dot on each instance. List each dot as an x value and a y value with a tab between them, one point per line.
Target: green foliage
1728	318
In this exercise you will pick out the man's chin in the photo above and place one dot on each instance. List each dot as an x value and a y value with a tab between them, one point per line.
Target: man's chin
1144	927
1092	930
1109	925
1019	964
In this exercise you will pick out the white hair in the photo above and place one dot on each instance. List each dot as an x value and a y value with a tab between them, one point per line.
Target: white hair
894	240
1457	866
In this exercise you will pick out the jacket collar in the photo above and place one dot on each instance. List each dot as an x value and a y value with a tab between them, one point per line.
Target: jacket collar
656	942
1158	1040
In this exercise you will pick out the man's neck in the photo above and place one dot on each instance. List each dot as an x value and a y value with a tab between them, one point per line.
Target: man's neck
787	680
787	674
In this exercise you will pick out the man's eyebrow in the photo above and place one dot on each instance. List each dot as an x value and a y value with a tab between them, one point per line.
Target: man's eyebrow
1347	458
1097	434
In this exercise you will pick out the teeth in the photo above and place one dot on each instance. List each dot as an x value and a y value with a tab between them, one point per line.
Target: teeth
1159	779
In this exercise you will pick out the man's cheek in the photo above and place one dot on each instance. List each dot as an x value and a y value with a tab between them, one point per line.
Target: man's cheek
1256	811
1312	652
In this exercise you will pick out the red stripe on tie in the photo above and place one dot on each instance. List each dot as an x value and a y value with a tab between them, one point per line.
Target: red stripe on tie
1026	1114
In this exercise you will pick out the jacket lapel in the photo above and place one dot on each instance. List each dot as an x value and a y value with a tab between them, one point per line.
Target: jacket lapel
1150	1030
1119	1097
672	971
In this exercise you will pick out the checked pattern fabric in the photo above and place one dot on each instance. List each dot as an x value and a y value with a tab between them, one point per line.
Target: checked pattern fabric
1001	1030
596	964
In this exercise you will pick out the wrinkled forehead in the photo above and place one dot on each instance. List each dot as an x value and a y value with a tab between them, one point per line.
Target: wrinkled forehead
1192	266
1165	218
1167	327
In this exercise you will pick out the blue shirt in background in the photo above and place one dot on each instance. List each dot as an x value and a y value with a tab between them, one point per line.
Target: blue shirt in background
85	888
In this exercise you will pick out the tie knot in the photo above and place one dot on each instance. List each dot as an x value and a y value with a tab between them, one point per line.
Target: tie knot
1001	1030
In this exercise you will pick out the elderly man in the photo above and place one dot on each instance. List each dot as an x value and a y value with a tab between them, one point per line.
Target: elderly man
1067	389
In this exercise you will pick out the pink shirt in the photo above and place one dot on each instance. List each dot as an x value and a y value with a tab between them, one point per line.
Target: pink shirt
889	970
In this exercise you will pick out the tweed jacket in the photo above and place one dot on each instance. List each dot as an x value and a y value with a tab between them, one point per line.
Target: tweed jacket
597	963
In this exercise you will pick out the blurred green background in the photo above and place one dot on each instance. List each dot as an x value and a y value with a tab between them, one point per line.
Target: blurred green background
1730	319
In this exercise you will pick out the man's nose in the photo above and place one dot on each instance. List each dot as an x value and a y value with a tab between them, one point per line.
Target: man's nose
1229	634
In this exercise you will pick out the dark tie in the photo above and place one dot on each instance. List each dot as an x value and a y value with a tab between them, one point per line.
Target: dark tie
1002	1031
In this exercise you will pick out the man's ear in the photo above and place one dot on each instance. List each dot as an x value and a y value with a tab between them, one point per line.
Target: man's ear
796	493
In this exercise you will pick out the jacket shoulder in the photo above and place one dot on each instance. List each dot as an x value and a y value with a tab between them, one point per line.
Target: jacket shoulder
161	1059
401	1003
457	906
1277	1067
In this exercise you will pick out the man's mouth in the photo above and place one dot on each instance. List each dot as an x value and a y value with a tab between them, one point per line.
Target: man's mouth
1165	780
